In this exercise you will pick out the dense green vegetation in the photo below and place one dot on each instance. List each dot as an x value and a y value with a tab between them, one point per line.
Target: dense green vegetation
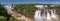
4	15
29	9
25	9
2	18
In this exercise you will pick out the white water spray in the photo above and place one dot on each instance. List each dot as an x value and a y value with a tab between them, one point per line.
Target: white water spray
42	17
48	15
8	8
37	16
53	14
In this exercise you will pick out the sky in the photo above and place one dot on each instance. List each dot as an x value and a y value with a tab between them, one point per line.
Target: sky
30	1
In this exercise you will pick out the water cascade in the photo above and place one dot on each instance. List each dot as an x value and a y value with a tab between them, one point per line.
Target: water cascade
8	7
48	15
37	15
43	14
53	14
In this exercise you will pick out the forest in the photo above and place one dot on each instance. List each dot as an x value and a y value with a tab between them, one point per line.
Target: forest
24	9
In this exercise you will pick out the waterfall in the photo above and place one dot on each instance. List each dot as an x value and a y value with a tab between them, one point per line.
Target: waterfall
37	15
48	15
53	14
8	8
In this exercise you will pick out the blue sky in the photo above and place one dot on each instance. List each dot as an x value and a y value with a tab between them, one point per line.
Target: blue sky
30	1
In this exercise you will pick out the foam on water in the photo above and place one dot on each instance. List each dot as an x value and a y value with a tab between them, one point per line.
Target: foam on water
37	15
49	16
